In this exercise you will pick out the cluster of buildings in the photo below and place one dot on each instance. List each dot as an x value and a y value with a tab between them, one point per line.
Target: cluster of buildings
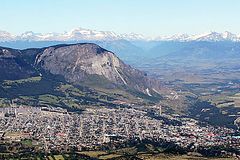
57	129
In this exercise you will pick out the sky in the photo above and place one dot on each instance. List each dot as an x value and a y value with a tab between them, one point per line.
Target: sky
147	17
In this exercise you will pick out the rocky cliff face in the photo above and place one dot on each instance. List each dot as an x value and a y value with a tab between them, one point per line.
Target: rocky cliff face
76	62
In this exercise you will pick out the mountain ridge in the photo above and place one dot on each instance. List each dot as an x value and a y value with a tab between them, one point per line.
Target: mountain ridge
79	34
209	36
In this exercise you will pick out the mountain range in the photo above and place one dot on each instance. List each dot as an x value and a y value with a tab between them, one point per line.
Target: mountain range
138	51
79	34
73	35
209	36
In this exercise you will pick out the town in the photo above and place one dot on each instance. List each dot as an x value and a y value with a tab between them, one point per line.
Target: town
56	129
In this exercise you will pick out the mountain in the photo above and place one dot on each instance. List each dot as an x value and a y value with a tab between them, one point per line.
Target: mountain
31	36
77	34
210	37
197	50
12	66
77	62
214	36
82	34
6	36
67	69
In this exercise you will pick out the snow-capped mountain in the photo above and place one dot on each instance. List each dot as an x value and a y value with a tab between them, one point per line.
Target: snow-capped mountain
80	34
6	36
87	34
214	36
176	37
209	36
73	35
31	36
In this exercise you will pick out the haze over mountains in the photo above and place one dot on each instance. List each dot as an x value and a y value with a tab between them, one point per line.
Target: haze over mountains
87	34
